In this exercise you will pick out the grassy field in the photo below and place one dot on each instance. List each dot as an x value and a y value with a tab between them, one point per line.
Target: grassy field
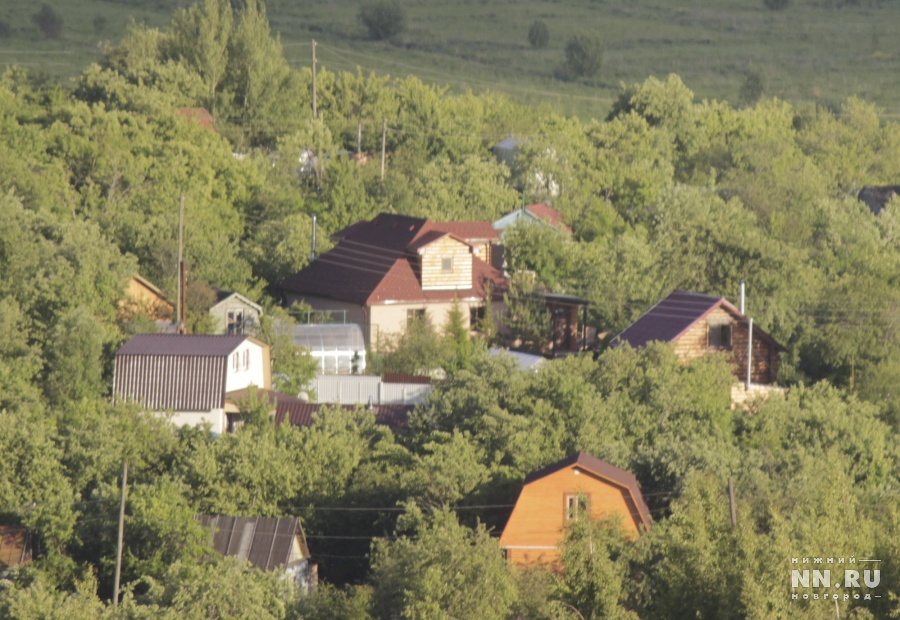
815	51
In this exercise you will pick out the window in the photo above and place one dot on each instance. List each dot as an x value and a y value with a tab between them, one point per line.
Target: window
414	314
246	359
234	322
236	361
576	505
719	336
476	316
447	264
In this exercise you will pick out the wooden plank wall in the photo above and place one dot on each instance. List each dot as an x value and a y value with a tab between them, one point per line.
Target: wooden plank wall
431	263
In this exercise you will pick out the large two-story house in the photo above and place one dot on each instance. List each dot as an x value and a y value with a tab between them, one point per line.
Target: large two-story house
386	272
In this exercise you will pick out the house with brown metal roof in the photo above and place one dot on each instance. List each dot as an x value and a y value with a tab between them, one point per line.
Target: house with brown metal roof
268	543
698	325
386	272
189	375
551	497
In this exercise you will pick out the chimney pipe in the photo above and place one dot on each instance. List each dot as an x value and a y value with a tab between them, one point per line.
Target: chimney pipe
742	296
312	255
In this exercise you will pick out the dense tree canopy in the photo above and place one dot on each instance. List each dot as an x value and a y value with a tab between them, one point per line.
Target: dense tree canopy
665	193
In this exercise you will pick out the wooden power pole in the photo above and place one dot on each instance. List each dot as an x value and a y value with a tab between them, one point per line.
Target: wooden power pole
315	112
181	303
383	144
121	535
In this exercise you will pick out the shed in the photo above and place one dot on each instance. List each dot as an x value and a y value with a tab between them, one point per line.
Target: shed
234	314
268	543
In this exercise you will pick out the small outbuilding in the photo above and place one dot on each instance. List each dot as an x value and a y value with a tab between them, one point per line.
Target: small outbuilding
268	543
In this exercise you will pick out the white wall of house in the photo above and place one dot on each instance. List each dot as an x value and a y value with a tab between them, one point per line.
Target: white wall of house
216	418
245	367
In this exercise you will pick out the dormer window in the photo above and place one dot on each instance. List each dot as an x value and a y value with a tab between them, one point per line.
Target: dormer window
447	264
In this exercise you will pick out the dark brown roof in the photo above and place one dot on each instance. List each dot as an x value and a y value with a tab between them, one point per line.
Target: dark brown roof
174	372
591	464
265	542
675	314
15	546
283	403
395	417
371	263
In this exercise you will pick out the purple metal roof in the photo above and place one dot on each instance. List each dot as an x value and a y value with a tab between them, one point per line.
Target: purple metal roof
174	371
180	344
668	319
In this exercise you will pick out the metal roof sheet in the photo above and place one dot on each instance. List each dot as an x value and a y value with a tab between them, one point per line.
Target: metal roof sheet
266	542
180	344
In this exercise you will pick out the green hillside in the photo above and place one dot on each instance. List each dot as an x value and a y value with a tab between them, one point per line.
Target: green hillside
822	51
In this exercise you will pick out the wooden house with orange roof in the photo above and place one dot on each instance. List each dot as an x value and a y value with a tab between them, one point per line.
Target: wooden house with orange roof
553	496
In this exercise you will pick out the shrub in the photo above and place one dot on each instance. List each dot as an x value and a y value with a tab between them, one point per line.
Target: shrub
584	56
538	34
754	86
48	21
776	5
383	20
99	24
5	29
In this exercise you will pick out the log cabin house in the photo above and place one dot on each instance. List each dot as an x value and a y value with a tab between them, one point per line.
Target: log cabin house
558	493
698	325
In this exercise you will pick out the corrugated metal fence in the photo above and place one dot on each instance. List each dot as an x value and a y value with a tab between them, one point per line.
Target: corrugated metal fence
366	389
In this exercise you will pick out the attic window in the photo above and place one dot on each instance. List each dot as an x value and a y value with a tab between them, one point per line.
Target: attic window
719	336
447	264
234	323
576	505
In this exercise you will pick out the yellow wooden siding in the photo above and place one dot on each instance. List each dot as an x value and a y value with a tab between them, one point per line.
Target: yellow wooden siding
431	259
535	528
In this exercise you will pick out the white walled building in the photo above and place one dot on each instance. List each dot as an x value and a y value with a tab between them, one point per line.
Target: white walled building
189	375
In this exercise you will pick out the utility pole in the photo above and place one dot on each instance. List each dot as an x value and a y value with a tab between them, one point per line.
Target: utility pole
315	115
749	353
383	144
181	301
731	503
121	535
